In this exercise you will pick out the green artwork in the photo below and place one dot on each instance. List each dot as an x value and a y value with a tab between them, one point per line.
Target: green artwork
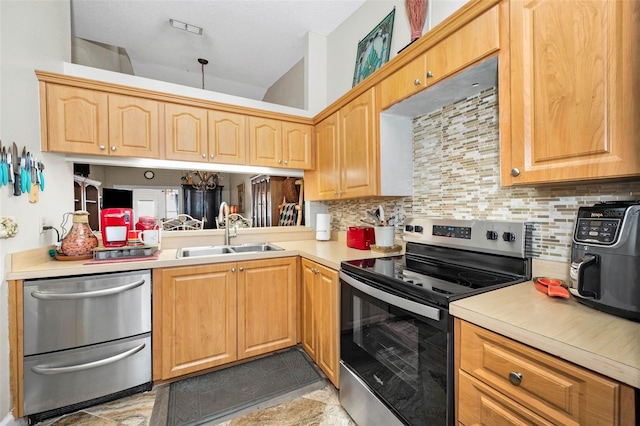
373	50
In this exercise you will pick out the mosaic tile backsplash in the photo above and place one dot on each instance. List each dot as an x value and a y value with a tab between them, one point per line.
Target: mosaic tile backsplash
457	175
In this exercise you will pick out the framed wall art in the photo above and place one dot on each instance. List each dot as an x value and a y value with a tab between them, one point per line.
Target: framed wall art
373	50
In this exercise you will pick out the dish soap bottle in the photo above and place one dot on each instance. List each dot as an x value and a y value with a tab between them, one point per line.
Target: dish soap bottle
80	240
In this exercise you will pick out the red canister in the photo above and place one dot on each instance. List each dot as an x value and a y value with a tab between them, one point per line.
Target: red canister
147	222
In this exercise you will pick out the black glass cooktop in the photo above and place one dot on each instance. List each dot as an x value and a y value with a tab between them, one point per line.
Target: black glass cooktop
439	279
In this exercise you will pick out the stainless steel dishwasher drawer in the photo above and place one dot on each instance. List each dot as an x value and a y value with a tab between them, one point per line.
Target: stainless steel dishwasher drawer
65	313
69	377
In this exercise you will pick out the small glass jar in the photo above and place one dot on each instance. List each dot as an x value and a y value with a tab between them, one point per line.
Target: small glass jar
80	240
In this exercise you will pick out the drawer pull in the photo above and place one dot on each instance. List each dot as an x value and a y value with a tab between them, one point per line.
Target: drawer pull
515	378
86	294
41	369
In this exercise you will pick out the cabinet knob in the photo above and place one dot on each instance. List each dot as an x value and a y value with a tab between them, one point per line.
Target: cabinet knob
417	82
211	156
241	268
314	270
233	270
515	378
113	148
286	161
515	172
204	155
429	74
279	161
102	147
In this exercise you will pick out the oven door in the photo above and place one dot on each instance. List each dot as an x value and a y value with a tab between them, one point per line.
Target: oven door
397	349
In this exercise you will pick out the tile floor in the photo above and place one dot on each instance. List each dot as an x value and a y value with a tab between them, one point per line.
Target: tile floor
320	407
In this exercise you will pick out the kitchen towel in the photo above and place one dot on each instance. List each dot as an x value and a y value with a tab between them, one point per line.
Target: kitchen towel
221	393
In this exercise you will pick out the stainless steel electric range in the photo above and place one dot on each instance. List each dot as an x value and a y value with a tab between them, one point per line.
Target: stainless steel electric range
396	335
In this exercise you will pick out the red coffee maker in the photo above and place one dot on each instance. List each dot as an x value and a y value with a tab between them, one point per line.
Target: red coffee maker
115	224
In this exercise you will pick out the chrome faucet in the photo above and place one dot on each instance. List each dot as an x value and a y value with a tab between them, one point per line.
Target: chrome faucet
225	215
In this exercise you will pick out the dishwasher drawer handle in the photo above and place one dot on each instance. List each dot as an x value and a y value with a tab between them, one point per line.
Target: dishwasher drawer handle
86	294
81	367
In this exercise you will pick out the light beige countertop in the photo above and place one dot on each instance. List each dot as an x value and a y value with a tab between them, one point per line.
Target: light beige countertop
600	342
37	263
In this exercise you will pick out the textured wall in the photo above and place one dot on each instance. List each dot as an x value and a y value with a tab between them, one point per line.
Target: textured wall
456	175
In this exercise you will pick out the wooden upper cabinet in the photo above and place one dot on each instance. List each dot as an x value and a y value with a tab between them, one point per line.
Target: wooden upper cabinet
297	146
347	151
573	98
323	182
76	120
186	133
474	41
227	137
133	127
282	144
408	80
359	147
92	122
265	142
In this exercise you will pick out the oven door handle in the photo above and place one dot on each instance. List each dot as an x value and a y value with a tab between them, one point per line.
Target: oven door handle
86	294
408	305
81	367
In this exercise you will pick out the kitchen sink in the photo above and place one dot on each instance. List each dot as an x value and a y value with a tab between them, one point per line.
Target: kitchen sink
260	247
224	249
202	251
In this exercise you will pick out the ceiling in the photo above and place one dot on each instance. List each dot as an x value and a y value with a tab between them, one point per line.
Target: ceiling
249	44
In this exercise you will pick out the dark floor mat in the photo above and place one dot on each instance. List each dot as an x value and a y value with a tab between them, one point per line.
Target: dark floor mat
214	395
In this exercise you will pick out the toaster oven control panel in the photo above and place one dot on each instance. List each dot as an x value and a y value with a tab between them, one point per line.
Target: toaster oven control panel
599	231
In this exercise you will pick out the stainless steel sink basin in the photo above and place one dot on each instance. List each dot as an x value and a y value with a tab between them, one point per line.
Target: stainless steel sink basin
202	251
259	247
218	250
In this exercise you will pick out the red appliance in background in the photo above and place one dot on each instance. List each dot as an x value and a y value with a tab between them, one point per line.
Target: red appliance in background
360	237
115	224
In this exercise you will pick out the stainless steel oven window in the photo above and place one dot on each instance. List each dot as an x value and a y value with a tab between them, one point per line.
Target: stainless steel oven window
399	355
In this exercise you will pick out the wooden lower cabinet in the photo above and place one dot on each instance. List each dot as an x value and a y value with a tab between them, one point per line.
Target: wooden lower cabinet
320	321
267	306
209	315
503	382
196	311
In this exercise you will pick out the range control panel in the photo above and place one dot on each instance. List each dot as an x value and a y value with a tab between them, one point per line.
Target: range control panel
452	231
497	237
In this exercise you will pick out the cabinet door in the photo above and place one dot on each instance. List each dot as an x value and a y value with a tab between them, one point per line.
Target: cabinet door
323	183
297	146
359	147
327	322
186	133
553	389
227	137
265	142
77	120
479	404
574	109
405	82
308	310
198	318
476	40
267	306
133	127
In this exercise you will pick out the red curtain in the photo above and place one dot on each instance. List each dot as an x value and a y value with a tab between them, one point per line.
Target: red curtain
416	11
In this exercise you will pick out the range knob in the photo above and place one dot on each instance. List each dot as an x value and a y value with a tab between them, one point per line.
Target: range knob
492	235
509	236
